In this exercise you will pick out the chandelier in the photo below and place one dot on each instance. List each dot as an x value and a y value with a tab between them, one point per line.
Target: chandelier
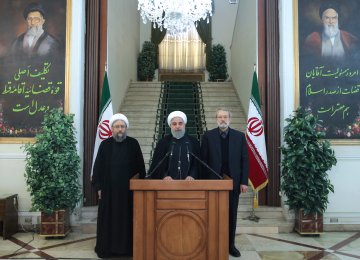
176	16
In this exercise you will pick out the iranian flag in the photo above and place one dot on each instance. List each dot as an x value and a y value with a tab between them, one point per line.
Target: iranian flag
103	130
255	138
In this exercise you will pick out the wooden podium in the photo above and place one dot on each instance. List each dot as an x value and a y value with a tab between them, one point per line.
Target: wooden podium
181	219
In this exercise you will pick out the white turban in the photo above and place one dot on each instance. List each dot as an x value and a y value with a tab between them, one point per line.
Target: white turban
119	116
176	114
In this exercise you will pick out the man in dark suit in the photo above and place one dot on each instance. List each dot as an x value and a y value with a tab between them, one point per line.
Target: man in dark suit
225	151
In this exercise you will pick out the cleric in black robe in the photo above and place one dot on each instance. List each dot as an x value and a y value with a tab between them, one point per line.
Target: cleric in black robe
119	158
173	157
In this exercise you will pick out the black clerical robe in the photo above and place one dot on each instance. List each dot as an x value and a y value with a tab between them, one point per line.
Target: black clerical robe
115	164
172	157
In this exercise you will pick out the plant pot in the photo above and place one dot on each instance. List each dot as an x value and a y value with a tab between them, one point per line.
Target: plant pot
56	224
310	224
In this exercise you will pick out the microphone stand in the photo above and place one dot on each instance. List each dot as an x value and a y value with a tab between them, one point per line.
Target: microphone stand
207	166
147	176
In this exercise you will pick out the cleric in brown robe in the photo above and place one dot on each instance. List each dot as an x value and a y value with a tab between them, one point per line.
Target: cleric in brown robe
119	158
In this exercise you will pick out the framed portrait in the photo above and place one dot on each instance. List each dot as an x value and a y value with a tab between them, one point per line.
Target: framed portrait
327	70
34	64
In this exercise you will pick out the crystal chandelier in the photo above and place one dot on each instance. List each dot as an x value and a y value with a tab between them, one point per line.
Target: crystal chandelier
176	16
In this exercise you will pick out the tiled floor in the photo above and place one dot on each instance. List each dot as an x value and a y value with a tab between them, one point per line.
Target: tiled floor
286	246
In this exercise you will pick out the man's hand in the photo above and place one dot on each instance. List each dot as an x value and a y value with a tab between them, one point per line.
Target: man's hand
243	188
99	194
189	178
168	178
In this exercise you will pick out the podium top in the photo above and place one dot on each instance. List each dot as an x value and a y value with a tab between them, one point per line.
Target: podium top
151	184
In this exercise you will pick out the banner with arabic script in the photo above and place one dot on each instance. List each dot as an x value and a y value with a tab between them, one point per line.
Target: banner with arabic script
33	64
328	45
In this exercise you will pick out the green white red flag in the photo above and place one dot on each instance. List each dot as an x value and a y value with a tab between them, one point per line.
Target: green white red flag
255	139
106	111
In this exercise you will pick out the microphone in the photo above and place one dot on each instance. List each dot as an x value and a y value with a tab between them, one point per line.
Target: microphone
187	151
179	162
172	149
206	165
147	176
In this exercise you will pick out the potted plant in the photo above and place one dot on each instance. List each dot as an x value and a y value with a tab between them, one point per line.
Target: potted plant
146	62
52	172
307	157
217	67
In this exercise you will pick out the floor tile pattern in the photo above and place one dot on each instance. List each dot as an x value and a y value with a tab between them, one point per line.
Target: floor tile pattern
283	246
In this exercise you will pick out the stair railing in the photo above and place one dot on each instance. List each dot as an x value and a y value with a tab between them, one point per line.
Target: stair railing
160	112
201	120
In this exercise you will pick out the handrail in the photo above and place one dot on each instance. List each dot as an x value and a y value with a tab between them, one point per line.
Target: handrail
201	108
159	111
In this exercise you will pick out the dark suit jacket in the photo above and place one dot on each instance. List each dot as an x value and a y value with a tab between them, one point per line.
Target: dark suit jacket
238	156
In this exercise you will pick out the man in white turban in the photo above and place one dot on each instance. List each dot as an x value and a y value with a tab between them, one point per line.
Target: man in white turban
119	130
173	157
119	158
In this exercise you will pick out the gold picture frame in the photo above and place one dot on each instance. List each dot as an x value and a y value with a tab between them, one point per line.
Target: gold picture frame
37	78
327	80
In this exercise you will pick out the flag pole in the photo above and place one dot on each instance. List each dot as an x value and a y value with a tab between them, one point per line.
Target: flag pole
252	216
254	98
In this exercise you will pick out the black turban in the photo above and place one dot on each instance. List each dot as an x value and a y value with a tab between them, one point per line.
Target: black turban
331	4
33	7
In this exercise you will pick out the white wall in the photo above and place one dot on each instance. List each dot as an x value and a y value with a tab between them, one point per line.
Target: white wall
12	162
123	47
145	32
244	50
223	21
343	205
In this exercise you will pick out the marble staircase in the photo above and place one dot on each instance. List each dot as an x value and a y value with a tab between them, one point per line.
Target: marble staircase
140	106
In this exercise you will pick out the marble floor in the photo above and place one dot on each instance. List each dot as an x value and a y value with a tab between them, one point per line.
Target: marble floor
284	246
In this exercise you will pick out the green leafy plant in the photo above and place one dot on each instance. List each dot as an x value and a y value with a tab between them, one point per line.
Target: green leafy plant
146	62
52	164
217	65
306	159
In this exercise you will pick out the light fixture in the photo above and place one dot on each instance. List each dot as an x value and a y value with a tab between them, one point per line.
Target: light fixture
176	16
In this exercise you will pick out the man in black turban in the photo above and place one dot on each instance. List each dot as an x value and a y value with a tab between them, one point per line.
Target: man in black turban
36	41
332	43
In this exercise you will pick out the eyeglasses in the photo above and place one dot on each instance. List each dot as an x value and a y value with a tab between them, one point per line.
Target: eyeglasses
119	126
35	19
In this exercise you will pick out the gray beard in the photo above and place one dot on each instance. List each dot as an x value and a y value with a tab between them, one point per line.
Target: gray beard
119	138
331	30
35	31
178	134
223	126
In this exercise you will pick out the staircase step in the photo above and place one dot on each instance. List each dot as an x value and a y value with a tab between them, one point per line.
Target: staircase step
263	212
89	213
87	223
263	226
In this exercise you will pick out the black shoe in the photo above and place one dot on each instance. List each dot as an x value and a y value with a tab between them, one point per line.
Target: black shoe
234	252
